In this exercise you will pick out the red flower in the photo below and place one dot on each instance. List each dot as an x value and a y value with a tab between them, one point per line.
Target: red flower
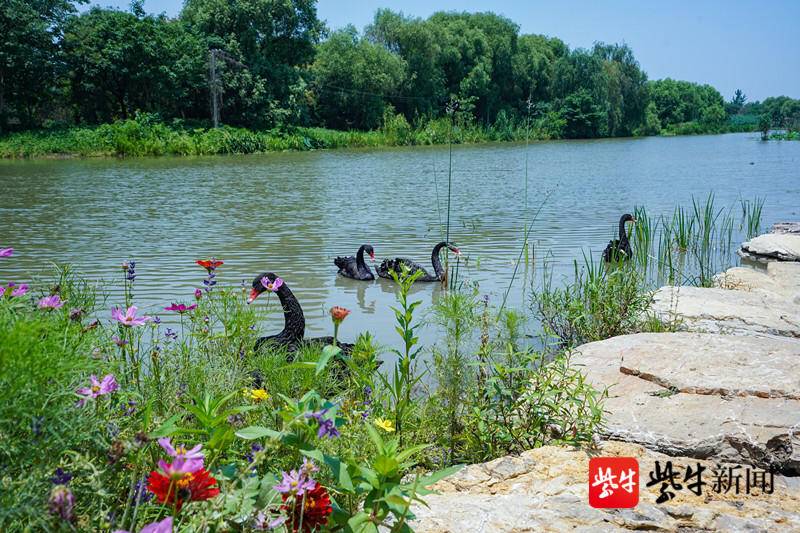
210	264
194	487
315	512
339	313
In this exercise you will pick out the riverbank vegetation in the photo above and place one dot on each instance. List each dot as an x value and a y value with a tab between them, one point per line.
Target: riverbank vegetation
103	408
128	83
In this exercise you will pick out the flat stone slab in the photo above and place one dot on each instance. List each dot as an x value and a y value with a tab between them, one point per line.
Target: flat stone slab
785	227
781	279
722	397
715	310
772	247
546	489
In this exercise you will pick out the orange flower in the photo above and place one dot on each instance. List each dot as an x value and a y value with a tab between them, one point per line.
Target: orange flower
338	314
189	487
210	264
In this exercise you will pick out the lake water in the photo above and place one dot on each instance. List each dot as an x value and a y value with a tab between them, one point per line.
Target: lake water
292	213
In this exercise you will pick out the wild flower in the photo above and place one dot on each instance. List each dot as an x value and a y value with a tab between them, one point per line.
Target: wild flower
198	294
119	342
75	313
257	395
62	503
312	511
97	388
129	267
270	285
294	483
60	477
129	319
51	302
338	314
254	449
386	425
180	308
262	522
173	486
6	252
309	467
171	334
13	290
156	320
210	264
327	427
164	526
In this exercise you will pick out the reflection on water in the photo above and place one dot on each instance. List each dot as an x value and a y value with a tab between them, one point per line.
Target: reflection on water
292	213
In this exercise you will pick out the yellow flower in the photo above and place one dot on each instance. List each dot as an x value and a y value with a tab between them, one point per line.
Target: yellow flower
385	425
257	395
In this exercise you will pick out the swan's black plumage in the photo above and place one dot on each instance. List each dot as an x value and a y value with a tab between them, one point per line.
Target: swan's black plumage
294	322
619	249
389	265
355	267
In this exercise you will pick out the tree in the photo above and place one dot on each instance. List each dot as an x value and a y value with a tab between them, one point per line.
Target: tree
350	76
121	62
274	39
30	31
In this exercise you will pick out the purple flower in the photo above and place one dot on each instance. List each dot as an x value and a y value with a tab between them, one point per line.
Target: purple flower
272	286
309	467
62	503
129	318
129	267
61	477
98	388
6	252
254	449
75	313
119	342
295	482
164	526
327	428
179	467
15	290
180	308
260	522
192	460
170	334
198	294
156	320
51	302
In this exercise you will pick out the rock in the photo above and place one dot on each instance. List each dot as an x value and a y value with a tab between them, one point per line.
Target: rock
714	310
781	279
723	397
525	503
772	247
785	227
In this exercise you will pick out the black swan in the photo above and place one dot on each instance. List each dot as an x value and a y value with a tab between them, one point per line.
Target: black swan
355	267
292	336
389	265
619	249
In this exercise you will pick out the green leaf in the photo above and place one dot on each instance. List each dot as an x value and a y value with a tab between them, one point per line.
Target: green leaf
167	428
257	432
327	352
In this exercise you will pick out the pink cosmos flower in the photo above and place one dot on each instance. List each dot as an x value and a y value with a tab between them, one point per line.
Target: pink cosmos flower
165	526
12	289
6	252
51	302
98	388
192	459
129	318
179	467
180	308
272	286
21	290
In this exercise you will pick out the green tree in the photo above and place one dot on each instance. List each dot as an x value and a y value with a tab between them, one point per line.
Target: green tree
350	76
30	32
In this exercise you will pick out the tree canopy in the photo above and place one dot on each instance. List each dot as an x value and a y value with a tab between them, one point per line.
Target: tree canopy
276	65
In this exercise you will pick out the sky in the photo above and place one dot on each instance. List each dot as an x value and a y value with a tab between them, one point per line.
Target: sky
745	44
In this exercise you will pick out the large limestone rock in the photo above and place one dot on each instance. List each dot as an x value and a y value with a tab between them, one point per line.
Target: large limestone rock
780	279
546	489
772	247
722	397
715	310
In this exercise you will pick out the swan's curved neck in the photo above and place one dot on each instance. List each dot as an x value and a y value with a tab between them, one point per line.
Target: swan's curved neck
360	264
623	235
294	323
435	261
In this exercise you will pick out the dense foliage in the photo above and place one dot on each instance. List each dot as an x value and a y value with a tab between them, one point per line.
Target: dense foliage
274	65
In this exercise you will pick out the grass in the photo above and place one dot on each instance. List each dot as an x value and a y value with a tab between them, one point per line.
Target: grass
147	135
